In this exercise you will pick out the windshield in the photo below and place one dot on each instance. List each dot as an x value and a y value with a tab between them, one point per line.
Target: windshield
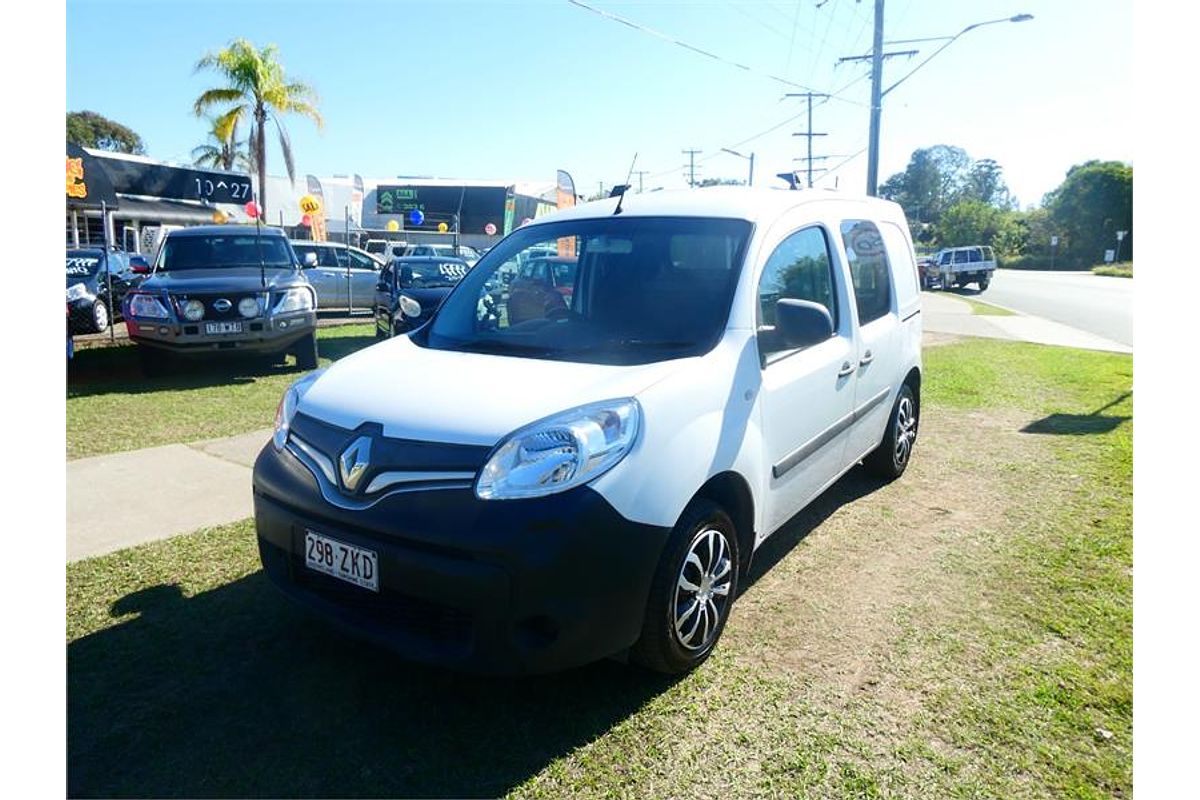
616	290
82	264
431	274
220	251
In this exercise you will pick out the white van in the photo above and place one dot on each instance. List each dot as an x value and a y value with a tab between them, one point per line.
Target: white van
591	477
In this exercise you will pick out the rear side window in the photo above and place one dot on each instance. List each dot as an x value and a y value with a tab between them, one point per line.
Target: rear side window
869	269
799	269
904	272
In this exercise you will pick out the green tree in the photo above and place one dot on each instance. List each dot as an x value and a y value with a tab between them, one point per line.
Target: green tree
258	90
985	183
1091	205
931	183
89	129
222	149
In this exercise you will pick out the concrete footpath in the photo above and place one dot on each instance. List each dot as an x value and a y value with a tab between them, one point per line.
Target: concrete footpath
197	485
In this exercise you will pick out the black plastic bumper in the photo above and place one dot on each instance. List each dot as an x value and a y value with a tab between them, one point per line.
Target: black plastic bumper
518	586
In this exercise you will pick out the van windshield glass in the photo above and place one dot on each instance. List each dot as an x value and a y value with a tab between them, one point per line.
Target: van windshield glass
619	290
224	250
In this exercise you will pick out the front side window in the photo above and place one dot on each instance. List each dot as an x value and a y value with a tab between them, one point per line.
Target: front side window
619	290
799	269
868	268
220	251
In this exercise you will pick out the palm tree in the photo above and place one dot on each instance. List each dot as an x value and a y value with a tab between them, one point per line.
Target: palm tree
258	89
222	149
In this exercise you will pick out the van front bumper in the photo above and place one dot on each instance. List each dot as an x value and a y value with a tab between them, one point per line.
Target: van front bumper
520	586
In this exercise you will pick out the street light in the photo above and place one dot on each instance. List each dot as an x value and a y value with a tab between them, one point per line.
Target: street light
877	95
750	182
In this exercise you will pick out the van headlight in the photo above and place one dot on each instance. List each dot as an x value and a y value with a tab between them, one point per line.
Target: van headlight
147	306
288	405
561	452
299	298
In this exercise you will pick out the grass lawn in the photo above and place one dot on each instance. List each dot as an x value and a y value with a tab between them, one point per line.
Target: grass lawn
984	308
965	631
1121	270
111	407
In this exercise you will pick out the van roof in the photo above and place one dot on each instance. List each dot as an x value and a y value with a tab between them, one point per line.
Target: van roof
732	202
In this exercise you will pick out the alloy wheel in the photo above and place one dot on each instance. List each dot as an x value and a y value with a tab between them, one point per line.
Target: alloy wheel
906	430
702	589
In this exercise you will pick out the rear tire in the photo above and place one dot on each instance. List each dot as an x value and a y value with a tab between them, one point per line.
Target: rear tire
890	459
696	581
306	352
983	284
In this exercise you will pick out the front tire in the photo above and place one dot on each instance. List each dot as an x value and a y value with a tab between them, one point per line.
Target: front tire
306	352
692	593
100	318
983	284
891	458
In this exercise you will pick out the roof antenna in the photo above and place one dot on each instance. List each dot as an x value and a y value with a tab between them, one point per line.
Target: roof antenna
620	191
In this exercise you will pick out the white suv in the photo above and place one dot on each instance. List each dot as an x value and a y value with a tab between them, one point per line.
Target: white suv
594	478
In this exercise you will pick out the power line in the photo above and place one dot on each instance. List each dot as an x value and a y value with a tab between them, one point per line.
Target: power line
631	24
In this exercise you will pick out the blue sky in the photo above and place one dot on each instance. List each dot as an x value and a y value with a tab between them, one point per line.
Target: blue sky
515	90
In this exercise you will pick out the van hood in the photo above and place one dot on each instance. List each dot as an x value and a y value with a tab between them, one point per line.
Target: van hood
463	398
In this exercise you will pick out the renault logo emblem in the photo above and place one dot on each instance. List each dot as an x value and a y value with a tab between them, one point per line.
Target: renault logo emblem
354	462
222	305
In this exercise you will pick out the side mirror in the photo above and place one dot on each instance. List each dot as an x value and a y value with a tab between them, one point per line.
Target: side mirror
381	287
802	323
310	260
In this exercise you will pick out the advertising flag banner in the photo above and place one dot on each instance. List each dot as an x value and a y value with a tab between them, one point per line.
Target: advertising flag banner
566	199
317	216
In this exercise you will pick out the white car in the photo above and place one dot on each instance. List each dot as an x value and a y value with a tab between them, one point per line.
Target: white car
595	480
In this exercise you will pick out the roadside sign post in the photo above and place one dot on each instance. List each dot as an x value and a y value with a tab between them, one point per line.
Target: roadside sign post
1053	245
1120	238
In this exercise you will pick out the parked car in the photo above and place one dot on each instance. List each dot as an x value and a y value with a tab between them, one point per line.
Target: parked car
410	289
539	287
90	273
223	290
463	251
928	272
528	496
343	277
960	266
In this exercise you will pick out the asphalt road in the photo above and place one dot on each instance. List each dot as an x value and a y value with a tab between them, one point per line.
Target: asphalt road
1098	304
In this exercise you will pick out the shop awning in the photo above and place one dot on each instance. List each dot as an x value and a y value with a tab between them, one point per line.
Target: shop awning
171	212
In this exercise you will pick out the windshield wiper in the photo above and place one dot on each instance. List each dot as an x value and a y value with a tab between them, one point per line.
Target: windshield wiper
501	347
626	343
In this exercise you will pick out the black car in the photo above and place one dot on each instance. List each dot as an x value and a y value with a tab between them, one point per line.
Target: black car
224	289
91	305
410	289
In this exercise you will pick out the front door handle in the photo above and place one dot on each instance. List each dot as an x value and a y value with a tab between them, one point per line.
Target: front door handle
867	358
847	369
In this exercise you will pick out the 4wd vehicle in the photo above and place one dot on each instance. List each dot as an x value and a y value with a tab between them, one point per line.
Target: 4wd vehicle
223	289
463	251
409	291
539	286
90	272
527	496
960	266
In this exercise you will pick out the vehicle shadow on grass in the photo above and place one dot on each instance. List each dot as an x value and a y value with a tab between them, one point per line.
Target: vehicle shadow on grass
855	484
117	370
234	692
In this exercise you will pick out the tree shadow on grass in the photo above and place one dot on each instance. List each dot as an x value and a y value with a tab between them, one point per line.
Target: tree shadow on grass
234	692
1080	424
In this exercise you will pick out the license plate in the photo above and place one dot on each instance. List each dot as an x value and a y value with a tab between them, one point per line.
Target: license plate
222	327
342	561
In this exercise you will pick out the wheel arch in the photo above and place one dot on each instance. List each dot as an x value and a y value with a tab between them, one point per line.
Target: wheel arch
732	492
913	381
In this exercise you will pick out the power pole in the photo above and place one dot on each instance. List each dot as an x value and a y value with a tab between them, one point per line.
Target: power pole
809	133
640	173
876	102
691	154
